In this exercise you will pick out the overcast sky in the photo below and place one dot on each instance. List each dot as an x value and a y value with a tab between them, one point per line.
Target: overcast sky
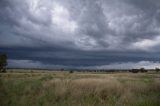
80	33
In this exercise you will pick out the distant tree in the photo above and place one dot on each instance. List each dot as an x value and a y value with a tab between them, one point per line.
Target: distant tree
134	70
143	70
71	71
3	62
157	69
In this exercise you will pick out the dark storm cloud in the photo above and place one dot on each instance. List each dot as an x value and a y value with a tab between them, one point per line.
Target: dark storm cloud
80	33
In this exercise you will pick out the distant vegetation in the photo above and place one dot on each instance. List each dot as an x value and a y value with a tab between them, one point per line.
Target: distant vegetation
3	62
141	70
157	70
138	70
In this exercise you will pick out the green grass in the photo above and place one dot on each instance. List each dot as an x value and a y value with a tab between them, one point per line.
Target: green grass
40	88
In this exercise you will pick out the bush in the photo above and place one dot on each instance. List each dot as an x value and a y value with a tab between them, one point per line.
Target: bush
71	71
134	70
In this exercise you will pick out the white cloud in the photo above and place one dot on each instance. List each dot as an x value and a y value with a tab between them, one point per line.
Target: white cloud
146	44
129	65
61	17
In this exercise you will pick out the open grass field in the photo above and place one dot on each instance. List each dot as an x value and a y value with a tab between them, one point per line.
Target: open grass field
40	88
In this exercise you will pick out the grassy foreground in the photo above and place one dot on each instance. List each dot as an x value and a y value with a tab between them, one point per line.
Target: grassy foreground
79	89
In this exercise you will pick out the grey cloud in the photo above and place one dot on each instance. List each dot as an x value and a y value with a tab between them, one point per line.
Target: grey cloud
127	65
80	32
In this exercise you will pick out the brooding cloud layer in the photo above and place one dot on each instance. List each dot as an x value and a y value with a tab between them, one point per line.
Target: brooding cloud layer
80	33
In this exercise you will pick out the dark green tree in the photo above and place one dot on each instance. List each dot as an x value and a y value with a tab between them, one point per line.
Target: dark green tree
3	62
157	69
143	70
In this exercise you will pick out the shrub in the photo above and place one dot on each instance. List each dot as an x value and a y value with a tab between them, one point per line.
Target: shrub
134	70
71	71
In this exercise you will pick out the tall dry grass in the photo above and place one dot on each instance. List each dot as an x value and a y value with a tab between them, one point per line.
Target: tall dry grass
62	89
